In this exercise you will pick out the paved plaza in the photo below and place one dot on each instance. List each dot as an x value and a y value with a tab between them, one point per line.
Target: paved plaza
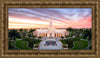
58	45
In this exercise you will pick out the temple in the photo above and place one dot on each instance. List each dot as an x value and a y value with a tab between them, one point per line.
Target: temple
51	31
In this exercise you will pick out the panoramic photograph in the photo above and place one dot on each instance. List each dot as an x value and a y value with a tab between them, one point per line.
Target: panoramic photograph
49	28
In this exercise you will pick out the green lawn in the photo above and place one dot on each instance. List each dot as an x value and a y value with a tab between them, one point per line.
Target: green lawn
21	44
81	44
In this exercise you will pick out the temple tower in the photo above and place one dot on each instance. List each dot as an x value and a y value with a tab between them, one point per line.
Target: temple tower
51	34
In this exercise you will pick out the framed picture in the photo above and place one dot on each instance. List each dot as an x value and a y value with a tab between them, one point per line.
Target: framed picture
49	28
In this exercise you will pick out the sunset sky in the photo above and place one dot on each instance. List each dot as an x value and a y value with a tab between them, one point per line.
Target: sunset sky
40	17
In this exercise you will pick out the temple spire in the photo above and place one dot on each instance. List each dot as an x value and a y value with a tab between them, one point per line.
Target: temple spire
50	28
50	20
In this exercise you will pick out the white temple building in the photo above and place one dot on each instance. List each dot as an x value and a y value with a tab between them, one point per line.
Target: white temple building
51	31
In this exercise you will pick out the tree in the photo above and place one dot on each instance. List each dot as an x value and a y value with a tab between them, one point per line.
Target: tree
67	36
77	33
69	29
39	37
23	34
81	30
31	42
87	35
31	31
10	44
20	30
34	36
25	30
62	37
13	34
29	35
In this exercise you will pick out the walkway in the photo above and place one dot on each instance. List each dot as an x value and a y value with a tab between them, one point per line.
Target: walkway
42	45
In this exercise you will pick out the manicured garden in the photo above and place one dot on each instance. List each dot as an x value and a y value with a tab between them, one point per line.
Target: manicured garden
81	44
26	44
21	44
75	44
78	39
22	39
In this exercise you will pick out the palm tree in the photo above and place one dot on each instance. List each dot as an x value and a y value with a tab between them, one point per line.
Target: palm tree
13	34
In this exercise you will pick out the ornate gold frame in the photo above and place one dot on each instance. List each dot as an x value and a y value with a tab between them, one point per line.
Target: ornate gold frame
94	5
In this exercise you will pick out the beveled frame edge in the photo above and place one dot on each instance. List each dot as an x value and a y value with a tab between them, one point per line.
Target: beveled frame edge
95	3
